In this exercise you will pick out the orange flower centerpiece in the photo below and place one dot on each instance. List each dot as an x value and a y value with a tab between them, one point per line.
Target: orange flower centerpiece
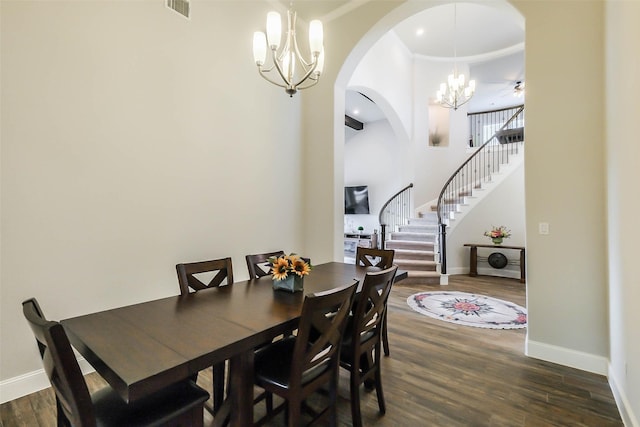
288	272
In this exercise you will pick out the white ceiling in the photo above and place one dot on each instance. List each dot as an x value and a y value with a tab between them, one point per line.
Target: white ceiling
490	40
474	29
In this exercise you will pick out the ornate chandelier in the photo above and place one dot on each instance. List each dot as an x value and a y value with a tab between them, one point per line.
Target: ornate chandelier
454	93
284	60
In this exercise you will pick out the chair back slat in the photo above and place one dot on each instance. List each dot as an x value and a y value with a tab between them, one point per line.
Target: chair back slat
320	331
372	304
256	261
73	400
223	269
371	257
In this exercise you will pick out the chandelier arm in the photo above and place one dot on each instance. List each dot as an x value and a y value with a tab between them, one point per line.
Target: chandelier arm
277	65
311	70
312	81
305	64
264	76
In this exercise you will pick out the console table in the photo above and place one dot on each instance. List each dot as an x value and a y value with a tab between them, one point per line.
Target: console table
473	257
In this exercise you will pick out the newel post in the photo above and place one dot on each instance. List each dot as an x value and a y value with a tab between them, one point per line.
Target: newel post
443	248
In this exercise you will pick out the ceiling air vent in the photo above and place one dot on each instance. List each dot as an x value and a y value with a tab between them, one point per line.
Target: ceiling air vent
180	6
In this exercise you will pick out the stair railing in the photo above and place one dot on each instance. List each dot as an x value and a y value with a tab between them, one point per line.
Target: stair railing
395	212
477	169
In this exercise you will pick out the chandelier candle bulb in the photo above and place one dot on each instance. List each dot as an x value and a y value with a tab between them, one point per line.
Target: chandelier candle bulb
315	37
259	48
274	30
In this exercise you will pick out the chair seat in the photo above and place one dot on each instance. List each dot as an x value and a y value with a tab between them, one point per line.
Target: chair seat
273	364
156	409
346	348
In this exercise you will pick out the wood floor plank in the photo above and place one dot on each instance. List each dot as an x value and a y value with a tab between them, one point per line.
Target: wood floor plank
439	374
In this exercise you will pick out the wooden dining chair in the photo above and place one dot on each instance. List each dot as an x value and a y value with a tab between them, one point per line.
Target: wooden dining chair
381	258
180	404
373	257
187	274
221	271
255	263
361	343
296	367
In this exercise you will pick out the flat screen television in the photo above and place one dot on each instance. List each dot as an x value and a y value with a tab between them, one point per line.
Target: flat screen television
356	200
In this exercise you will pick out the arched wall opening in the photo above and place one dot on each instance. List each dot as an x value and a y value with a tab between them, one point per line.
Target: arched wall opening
360	58
398	118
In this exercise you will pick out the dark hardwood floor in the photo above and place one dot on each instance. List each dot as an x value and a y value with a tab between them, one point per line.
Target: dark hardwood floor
440	374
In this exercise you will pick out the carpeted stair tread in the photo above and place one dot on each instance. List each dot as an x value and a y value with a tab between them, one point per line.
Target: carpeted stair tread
414	264
410	244
425	237
421	229
414	254
422	278
422	273
414	244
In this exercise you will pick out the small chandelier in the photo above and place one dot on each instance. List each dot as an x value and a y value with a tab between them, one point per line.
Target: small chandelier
518	90
454	93
284	61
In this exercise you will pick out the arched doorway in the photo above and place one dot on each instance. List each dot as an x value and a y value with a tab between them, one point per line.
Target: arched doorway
490	65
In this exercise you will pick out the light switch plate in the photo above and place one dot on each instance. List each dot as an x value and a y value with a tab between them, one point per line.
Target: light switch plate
543	228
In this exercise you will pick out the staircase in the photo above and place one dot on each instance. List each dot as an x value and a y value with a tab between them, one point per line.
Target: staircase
414	246
420	243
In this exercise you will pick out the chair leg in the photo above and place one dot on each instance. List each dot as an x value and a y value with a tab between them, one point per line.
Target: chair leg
356	416
269	402
366	362
379	393
61	417
218	386
333	402
294	413
385	338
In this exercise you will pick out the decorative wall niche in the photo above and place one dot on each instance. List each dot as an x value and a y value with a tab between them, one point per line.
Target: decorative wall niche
438	125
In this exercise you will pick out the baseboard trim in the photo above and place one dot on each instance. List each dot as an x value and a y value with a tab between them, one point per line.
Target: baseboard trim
31	382
622	401
567	357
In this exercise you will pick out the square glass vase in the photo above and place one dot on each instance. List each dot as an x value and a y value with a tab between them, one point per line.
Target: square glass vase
292	283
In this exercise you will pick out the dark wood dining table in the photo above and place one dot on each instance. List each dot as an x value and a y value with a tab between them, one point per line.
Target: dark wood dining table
142	348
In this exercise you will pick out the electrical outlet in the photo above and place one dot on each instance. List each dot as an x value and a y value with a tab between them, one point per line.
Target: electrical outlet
543	228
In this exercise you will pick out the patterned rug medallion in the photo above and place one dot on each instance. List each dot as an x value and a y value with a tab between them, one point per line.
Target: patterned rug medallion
469	309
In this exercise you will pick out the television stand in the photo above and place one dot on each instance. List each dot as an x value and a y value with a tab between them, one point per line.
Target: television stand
353	240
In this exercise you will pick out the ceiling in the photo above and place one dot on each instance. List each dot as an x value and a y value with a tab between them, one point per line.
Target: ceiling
490	40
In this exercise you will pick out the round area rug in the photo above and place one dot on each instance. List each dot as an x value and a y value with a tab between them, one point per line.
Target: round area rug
469	309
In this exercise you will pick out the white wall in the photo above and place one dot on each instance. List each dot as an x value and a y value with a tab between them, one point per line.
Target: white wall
504	205
434	165
372	157
387	67
403	86
564	183
622	233
133	140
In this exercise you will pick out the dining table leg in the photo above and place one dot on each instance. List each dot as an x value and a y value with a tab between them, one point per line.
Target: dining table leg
241	388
